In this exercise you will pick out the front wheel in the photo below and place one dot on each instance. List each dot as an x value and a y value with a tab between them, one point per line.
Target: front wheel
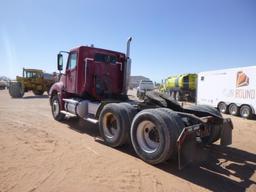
55	104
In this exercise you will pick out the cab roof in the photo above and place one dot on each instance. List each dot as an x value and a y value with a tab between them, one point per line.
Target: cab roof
33	70
95	48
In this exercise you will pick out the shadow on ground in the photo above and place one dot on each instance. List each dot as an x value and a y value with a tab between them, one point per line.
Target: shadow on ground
220	168
36	97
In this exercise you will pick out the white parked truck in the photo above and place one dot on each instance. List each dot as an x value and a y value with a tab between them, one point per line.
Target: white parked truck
232	91
144	86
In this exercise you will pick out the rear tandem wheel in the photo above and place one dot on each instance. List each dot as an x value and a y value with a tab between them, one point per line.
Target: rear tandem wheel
113	125
153	135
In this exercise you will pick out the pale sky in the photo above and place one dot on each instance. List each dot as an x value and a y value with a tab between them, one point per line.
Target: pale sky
169	37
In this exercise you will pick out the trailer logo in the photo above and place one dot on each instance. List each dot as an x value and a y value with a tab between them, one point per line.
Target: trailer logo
241	79
241	92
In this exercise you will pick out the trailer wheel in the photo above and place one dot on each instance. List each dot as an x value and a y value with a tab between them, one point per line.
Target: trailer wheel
55	105
233	109
222	107
113	125
246	111
153	136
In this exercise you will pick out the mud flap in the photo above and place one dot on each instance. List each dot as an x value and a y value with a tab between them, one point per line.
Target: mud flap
226	132
185	144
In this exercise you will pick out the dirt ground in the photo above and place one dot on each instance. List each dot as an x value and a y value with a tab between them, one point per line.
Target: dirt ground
40	154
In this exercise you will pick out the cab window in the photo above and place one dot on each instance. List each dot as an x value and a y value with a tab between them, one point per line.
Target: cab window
72	61
30	74
105	58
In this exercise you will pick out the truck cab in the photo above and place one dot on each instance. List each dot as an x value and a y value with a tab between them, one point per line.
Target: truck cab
94	73
92	77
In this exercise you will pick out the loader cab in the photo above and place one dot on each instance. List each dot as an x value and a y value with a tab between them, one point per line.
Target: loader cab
32	73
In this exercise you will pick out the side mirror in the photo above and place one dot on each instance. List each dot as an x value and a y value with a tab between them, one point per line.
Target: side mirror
60	62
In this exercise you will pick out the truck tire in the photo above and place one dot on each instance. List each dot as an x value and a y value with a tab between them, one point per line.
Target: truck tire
174	117
55	105
215	133
246	111
113	125
48	89
179	126
222	107
16	90
154	135
130	110
38	92
233	109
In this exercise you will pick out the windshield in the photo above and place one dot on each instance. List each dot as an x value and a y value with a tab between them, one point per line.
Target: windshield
146	82
30	74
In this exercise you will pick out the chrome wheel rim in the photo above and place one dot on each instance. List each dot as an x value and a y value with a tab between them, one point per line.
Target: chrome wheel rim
245	112
233	109
148	136
222	107
55	108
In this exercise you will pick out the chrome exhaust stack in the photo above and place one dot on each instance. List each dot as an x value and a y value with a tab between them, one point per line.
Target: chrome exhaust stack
127	67
128	47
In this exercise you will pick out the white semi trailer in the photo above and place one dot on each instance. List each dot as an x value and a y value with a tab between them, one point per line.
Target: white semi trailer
232	91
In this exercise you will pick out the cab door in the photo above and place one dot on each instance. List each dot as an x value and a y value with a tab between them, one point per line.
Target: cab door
71	73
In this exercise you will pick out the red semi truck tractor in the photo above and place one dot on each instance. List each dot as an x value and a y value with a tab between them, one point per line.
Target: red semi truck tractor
94	88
